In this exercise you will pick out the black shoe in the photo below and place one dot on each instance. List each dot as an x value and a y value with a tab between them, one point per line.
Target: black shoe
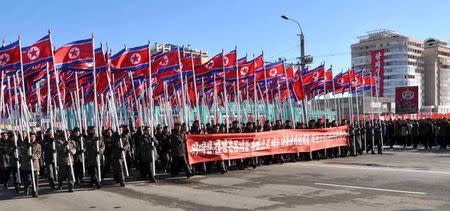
26	191
35	195
71	190
96	184
17	188
52	186
153	180
59	187
122	184
6	186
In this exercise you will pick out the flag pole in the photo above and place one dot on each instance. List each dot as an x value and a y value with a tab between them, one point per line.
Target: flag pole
289	95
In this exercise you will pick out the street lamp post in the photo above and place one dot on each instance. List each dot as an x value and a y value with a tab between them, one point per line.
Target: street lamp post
302	42
303	60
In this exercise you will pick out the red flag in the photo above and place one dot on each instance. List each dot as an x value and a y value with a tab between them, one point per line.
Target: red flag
74	52
10	56
131	59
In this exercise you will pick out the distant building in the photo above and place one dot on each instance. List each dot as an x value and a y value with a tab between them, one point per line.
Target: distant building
403	60
187	50
437	75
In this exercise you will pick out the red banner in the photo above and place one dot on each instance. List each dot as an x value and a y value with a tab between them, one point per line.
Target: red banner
377	68
406	100
213	147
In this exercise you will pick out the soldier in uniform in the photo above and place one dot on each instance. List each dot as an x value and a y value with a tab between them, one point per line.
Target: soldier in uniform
443	133
427	133
66	151
363	130
147	149
358	137
28	161
415	133
352	138
94	150
48	151
377	135
177	139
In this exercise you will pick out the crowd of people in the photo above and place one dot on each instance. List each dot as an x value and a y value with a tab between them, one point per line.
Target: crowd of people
63	157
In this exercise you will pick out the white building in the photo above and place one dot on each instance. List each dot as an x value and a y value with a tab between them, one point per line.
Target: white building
403	60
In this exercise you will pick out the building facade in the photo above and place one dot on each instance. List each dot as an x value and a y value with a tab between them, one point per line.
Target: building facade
437	75
403	59
203	54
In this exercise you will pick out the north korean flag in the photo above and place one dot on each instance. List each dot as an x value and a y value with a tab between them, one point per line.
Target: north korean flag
356	79
341	82
37	53
244	71
213	66
369	82
229	61
329	80
73	53
187	65
242	60
131	59
297	87
281	81
167	66
10	56
272	71
313	79
100	62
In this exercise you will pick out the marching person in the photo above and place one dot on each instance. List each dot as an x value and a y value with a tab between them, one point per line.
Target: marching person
107	154
118	148
378	139
148	145
49	150
66	151
94	151
8	161
164	147
177	140
78	158
5	159
30	163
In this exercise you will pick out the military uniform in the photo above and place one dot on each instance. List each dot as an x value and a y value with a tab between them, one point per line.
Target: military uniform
378	137
443	134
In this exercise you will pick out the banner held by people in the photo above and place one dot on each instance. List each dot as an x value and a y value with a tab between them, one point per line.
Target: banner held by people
214	147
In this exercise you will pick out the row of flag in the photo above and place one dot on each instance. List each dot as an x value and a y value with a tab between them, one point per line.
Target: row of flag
80	69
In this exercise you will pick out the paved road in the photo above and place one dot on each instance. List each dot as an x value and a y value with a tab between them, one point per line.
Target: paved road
396	180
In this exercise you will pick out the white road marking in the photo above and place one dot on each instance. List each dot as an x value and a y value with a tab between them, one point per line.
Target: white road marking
367	188
374	168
